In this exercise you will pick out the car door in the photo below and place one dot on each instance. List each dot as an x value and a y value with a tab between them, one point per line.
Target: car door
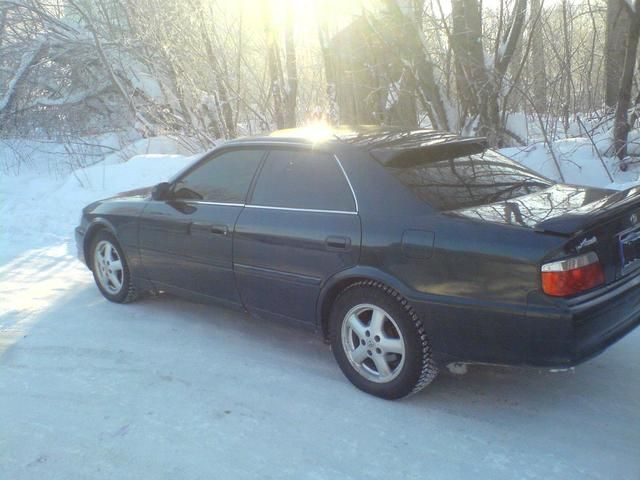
185	242
300	227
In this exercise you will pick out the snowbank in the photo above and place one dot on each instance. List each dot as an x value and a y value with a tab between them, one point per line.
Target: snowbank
579	162
39	209
154	145
52	157
139	171
59	158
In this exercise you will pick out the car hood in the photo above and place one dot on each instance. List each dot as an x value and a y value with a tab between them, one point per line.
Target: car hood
561	209
137	195
137	192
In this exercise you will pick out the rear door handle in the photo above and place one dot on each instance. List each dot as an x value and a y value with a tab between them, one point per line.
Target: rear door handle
337	243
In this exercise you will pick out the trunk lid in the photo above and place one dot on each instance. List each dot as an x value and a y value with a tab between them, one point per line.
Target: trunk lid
604	221
614	204
561	209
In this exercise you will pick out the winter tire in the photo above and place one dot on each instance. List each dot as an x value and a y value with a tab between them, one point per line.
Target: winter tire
110	269
379	342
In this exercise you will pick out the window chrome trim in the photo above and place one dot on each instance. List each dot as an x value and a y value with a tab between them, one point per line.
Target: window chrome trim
355	199
266	207
291	209
202	202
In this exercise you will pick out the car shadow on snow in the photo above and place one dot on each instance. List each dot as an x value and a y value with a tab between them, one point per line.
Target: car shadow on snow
176	327
506	386
598	385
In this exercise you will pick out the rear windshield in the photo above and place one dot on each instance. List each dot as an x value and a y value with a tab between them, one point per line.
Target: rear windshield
469	181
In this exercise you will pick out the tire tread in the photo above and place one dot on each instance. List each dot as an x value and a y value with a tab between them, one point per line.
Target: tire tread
429	369
132	291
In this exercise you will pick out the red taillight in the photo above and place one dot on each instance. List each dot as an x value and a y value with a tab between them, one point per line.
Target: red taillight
573	275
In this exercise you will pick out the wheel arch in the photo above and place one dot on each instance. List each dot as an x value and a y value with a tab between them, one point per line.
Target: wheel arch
336	284
97	225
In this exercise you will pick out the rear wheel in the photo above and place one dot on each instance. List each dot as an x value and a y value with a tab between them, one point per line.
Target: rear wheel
379	341
110	269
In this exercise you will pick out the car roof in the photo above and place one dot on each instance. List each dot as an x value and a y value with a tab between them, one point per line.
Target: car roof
391	146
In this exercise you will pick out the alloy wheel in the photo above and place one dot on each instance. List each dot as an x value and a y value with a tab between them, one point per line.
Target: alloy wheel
108	267
373	343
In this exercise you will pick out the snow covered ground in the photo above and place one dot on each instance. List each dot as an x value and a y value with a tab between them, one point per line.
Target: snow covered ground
163	388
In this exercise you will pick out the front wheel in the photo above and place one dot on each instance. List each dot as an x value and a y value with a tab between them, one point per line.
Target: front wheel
379	341
110	269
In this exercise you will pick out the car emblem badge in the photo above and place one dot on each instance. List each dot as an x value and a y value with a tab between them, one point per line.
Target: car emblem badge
586	242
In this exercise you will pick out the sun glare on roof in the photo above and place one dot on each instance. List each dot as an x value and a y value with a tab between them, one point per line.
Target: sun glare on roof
315	132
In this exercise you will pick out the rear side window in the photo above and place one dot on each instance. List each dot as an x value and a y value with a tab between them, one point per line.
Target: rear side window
303	179
224	178
469	181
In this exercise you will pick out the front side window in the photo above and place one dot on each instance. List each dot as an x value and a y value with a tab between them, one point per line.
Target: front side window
303	179
224	178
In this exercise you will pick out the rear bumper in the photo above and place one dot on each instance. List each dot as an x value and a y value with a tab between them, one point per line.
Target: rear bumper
587	327
556	334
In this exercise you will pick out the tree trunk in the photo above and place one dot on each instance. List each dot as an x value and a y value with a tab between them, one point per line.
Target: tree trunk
413	45
275	69
27	60
479	86
330	74
224	102
466	41
491	126
567	90
225	115
618	24
292	71
538	71
621	128
3	21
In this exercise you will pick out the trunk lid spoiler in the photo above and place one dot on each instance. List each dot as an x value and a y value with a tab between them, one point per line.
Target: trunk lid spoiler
593	214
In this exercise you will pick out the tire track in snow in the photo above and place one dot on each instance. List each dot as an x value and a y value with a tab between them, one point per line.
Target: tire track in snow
31	283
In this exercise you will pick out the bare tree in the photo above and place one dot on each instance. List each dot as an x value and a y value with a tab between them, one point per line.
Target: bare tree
291	93
282	90
622	126
618	24
205	70
479	85
537	66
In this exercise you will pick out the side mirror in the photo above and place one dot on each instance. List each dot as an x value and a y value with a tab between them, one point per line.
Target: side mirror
160	191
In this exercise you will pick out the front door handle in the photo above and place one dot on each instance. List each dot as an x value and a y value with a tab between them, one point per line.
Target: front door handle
334	242
219	229
200	228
